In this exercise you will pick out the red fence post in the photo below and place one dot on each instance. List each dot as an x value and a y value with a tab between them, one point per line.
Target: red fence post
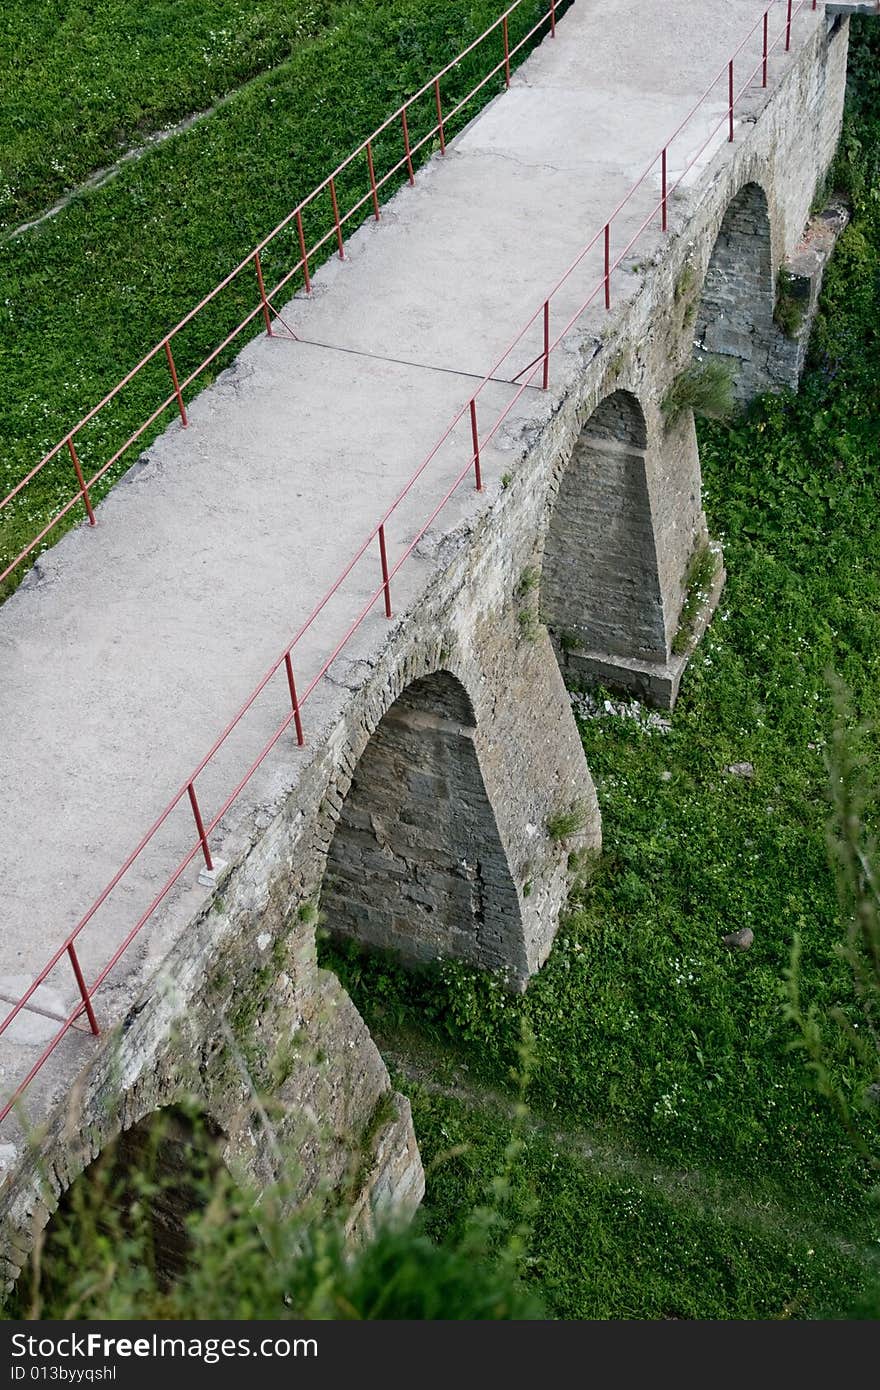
200	826
546	343
607	265
386	582
87	1003
506	54
788	28
766	45
553	19
730	100
267	318
79	478
294	699
173	370
336	219
302	249
409	164
440	129
372	179
475	435
664	180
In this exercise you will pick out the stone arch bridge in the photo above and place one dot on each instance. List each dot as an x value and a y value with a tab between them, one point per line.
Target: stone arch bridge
441	802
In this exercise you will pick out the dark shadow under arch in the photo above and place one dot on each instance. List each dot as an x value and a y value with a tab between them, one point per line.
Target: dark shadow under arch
735	315
133	1202
601	586
416	864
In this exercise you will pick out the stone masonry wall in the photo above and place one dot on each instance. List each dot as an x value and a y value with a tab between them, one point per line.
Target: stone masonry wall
600	579
735	320
416	864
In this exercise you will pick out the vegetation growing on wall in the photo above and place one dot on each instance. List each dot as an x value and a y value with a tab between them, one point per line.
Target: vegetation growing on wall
706	388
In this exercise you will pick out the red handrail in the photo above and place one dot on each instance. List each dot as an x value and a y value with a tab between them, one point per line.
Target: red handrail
388	574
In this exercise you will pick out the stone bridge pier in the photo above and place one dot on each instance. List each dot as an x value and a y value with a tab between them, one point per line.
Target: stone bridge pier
442	805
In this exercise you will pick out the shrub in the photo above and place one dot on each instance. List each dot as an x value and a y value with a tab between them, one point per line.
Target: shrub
706	388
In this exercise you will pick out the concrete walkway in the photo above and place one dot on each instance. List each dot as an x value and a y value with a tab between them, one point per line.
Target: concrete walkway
132	645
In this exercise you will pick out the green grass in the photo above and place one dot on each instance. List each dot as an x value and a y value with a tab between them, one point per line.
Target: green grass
610	1241
652	1037
700	577
84	295
81	82
706	388
789	309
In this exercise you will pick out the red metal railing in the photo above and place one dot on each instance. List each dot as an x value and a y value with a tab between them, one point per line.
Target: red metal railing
252	266
538	366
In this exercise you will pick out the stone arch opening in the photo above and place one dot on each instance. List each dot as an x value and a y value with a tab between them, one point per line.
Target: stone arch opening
601	591
416	864
734	321
138	1195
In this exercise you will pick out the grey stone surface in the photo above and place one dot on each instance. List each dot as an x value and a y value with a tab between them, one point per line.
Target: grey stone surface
144	636
735	319
416	864
743	770
741	940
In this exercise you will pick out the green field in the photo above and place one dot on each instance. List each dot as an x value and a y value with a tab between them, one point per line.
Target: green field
80	83
677	1160
87	293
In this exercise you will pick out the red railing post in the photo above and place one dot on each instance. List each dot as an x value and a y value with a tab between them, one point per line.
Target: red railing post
664	181
506	53
302	251
730	100
200	826
406	147
372	179
546	343
87	1003
475	436
81	480
607	265
267	318
294	699
766	45
336	219
173	370
788	28
440	129
553	19
386	582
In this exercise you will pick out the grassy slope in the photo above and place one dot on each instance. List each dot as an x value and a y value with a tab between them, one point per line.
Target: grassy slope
649	1033
81	81
86	294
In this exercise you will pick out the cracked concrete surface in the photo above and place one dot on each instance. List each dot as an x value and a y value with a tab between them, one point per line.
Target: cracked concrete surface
129	647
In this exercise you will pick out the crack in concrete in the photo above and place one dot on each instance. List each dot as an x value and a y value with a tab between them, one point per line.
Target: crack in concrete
407	362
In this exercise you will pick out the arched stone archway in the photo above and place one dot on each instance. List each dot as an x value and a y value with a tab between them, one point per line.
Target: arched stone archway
416	863
625	524
601	585
734	320
139	1195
